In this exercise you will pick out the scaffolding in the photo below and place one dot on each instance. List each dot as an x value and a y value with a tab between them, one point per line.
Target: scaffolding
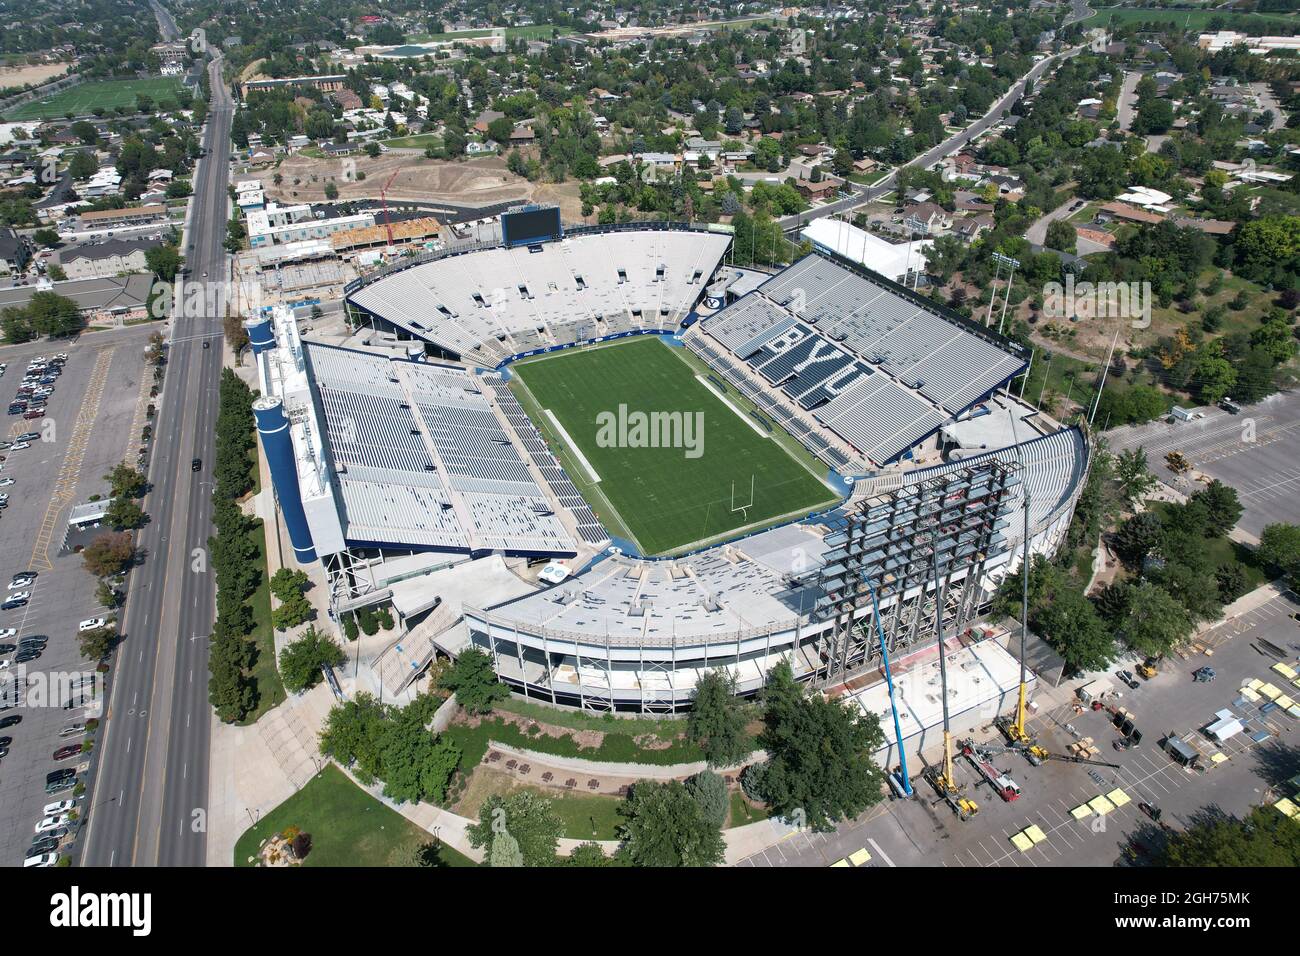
941	528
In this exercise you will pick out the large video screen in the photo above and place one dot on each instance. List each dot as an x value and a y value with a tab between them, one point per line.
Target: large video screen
536	225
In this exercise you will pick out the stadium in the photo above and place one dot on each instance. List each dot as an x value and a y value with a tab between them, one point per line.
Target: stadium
728	462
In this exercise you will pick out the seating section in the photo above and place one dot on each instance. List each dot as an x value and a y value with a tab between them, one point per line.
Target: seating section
421	458
880	370
488	304
716	595
566	492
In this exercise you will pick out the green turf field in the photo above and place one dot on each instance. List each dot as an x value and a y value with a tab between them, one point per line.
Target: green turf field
81	99
1188	19
664	499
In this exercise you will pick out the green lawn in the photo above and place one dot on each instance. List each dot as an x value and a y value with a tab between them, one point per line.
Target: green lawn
665	499
85	97
266	676
422	141
665	727
1192	20
348	826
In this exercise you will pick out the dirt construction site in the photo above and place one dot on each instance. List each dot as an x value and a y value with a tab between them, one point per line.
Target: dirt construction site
477	182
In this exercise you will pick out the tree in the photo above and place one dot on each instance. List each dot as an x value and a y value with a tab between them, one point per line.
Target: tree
331	191
1265	838
1222	505
1279	547
124	514
96	644
109	553
474	681
163	261
354	736
1155	621
505	851
717	720
528	817
822	761
665	827
1071	625
710	791
302	660
49	238
1061	236
126	482
417	763
1137	537
589	855
1132	475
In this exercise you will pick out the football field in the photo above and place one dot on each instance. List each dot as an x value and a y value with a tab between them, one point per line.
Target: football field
81	99
644	438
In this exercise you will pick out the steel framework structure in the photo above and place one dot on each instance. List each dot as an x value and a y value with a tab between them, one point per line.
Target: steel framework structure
901	540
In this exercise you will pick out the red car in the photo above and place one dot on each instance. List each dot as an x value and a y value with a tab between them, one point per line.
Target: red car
70	750
37	413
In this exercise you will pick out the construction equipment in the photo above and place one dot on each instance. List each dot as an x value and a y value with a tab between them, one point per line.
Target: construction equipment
943	780
1149	668
1177	462
964	807
1071	758
900	779
383	198
1036	755
982	761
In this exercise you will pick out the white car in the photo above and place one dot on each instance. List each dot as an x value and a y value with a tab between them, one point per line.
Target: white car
5	665
22	444
21	596
61	806
45	859
21	581
52	821
6	482
90	624
8	632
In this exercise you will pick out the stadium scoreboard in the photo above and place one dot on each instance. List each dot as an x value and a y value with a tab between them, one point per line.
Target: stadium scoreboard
530	225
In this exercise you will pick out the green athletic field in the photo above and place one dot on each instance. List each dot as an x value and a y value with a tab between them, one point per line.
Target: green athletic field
659	496
81	99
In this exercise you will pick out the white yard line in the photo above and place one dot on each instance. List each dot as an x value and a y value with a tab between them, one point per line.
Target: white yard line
726	401
573	447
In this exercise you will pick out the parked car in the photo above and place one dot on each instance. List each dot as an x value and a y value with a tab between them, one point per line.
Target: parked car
10	721
90	624
52	821
60	806
45	859
63	773
66	751
13	603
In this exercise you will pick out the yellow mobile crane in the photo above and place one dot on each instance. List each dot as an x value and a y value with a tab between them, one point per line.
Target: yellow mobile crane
1014	730
944	783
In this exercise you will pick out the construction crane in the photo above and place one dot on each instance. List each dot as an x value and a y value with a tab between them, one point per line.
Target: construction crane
982	760
1036	754
1015	730
901	780
943	780
383	199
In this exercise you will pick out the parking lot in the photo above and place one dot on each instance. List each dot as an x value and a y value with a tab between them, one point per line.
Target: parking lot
1254	451
93	422
924	832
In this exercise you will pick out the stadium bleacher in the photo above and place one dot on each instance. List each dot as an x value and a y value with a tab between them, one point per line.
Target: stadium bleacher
488	304
421	459
880	370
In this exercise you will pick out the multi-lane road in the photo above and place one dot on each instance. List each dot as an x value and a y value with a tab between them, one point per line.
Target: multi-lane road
953	144
152	783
